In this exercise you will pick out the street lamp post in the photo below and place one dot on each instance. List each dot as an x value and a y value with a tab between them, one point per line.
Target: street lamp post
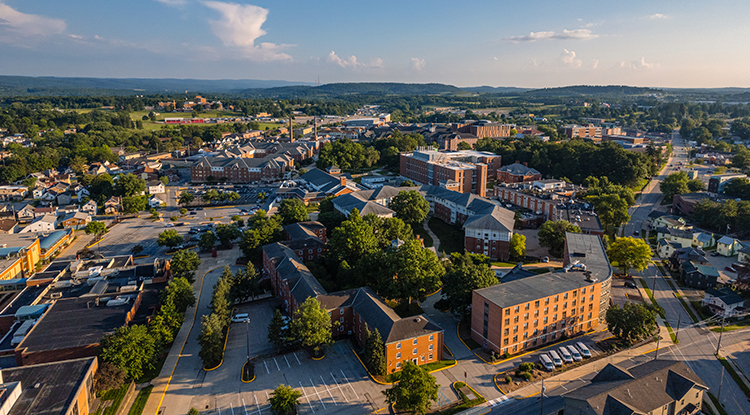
541	408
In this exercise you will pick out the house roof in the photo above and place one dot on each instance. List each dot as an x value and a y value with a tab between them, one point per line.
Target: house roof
638	390
518	169
7	224
725	240
726	295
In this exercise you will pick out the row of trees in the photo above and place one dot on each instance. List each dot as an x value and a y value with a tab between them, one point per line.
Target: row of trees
679	183
725	216
133	350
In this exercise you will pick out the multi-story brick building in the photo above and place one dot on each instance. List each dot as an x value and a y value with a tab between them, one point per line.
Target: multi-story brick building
583	131
466	170
240	170
527	310
484	129
717	182
356	312
450	141
517	173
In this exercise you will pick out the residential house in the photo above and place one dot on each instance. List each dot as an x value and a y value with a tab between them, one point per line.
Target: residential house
728	246
89	207
15	193
683	255
665	248
517	172
683	237
157	201
82	192
725	303
113	206
97	169
156	187
64	199
76	220
69	209
38	192
41	211
8	226
654	387
704	239
669	221
25	214
701	276
743	255
46	223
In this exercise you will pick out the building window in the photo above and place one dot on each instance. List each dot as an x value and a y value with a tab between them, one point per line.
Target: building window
545	320
507	311
527	306
516	309
536	303
546	310
507	321
414	351
398	345
554	308
422	358
505	342
398	355
536	313
431	347
414	341
557	297
583	291
430	357
432	337
546	301
398	365
506	332
565	296
515	319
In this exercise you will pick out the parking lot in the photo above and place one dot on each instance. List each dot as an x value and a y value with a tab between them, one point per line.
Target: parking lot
248	193
337	384
623	291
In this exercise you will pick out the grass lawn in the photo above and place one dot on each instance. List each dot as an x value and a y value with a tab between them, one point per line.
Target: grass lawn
140	401
114	395
503	264
149	375
700	309
430	367
451	237
742	324
419	230
466	402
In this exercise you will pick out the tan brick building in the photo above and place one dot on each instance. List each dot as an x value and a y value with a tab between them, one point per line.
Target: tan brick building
527	310
483	129
589	131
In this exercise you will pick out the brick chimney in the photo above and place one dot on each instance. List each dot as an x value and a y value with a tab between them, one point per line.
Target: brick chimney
526	163
342	180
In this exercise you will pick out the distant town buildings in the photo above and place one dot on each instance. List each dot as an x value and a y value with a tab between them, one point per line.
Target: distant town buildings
464	171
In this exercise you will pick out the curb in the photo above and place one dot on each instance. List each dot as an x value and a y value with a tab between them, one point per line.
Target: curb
243	380
222	352
368	371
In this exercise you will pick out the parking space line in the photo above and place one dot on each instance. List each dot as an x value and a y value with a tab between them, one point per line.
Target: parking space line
277	364
350	384
287	362
339	386
231	407
267	397
329	391
295	356
256	403
306	397
316	392
267	371
244	406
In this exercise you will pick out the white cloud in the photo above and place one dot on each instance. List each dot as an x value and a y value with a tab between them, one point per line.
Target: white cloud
20	24
575	34
417	64
595	64
658	16
352	62
175	3
642	64
240	25
568	58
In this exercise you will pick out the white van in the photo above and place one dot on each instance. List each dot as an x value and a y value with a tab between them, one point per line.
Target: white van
546	362
240	318
565	354
574	352
584	350
555	358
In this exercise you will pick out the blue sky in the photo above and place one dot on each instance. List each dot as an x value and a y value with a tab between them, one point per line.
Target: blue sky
529	43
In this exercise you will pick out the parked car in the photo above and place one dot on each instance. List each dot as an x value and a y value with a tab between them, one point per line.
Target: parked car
636	232
715	254
565	354
169	225
730	269
545	259
585	352
241	318
629	284
546	362
555	358
574	352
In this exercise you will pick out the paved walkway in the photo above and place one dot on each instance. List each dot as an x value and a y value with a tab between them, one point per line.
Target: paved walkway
435	240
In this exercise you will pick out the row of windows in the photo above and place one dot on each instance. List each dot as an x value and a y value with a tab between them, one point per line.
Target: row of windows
430	357
414	351
415	341
527	306
543	339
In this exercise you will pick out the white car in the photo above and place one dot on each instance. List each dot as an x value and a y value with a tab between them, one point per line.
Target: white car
169	225
241	318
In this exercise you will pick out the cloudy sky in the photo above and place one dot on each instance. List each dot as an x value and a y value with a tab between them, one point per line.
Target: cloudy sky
531	43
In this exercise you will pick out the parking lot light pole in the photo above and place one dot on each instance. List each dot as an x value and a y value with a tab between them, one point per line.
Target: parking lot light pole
247	335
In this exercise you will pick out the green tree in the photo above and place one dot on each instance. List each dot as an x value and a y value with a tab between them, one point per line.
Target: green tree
136	250
388	230
375	353
185	199
221	301
134	204
246	284
632	322
108	377
292	210
184	263
410	206
311	324
410	272
211	340
415	391
170	238
207	241
611	209
696	185
131	349
181	293
78	164
129	185
517	247
461	278
96	228
552	235
407	183
29	182
279	331
262	230
328	215
227	233
284	400
630	253
164	179
351	240
674	184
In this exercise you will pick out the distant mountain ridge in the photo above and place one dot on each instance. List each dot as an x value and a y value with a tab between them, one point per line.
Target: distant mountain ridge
355	88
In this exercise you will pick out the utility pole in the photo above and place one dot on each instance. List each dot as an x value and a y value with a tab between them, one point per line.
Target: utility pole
541	408
658	339
718	345
677	332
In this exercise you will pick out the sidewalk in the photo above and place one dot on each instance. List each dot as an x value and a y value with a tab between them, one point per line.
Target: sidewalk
435	240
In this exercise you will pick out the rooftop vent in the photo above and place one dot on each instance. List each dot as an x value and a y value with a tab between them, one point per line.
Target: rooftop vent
417	320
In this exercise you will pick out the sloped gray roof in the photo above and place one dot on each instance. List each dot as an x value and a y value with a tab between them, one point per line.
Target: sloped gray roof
500	219
518	169
726	295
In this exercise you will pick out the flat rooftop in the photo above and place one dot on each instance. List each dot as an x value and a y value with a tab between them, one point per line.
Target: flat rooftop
57	386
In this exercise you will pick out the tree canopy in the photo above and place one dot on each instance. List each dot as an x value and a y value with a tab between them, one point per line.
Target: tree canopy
410	271
463	275
410	206
674	184
632	322
292	210
552	235
415	391
170	238
311	324
630	253
184	263
284	399
130	349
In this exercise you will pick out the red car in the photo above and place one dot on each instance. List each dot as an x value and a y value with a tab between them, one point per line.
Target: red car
730	269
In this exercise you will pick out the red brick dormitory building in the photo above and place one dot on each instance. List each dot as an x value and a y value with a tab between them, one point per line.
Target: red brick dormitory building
356	311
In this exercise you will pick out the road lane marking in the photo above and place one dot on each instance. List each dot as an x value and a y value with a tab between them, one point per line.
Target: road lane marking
339	386
329	391
316	392
306	396
350	384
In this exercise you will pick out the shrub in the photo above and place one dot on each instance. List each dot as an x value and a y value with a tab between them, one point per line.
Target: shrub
183	211
508	379
526	367
526	376
442	305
